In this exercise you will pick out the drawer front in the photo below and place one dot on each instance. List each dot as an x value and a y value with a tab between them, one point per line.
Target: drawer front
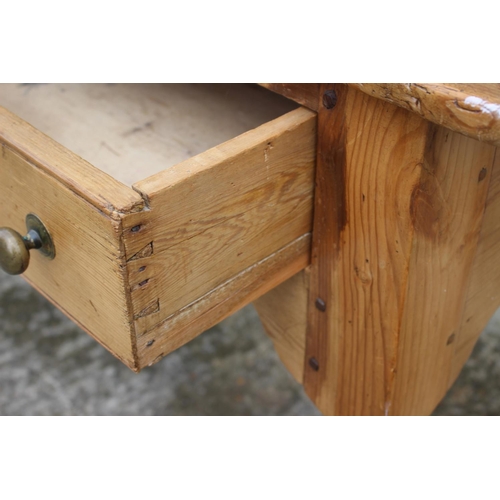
145	270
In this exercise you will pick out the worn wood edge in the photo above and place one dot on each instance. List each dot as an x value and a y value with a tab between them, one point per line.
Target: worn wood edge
475	115
319	344
225	152
226	299
88	182
283	314
305	94
128	299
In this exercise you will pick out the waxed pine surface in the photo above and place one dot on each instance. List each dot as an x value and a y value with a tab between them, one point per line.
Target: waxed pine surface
48	366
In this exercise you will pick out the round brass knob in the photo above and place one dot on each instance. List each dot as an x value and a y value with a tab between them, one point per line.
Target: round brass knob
14	248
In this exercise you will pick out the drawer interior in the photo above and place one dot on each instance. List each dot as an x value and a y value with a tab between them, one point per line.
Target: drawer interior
133	131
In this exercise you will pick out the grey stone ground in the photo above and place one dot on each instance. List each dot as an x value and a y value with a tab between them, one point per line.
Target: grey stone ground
48	366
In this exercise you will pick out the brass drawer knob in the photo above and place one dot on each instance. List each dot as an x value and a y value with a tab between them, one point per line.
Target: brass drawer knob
14	248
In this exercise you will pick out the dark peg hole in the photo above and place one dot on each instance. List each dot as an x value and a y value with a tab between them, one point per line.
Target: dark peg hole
135	229
329	99
320	304
313	363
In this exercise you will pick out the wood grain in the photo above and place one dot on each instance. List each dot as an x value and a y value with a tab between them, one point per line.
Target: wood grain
303	93
222	301
87	278
191	244
132	131
283	312
369	160
392	256
99	189
217	214
447	210
471	109
483	292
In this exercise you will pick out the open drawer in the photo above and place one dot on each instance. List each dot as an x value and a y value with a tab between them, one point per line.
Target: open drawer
175	223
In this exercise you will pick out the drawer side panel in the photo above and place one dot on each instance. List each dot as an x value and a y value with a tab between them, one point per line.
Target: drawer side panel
216	215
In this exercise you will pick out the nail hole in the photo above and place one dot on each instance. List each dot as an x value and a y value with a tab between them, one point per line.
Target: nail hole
142	268
136	228
150	343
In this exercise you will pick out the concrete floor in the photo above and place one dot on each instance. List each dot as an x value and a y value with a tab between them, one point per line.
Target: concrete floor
48	366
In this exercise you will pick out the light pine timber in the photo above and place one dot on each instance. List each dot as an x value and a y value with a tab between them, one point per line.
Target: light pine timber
483	292
392	254
82	208
96	187
447	208
87	279
368	162
278	258
224	300
111	199
214	216
132	131
303	93
471	109
283	312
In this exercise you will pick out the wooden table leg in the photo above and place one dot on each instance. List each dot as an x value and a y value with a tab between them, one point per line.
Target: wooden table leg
399	206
